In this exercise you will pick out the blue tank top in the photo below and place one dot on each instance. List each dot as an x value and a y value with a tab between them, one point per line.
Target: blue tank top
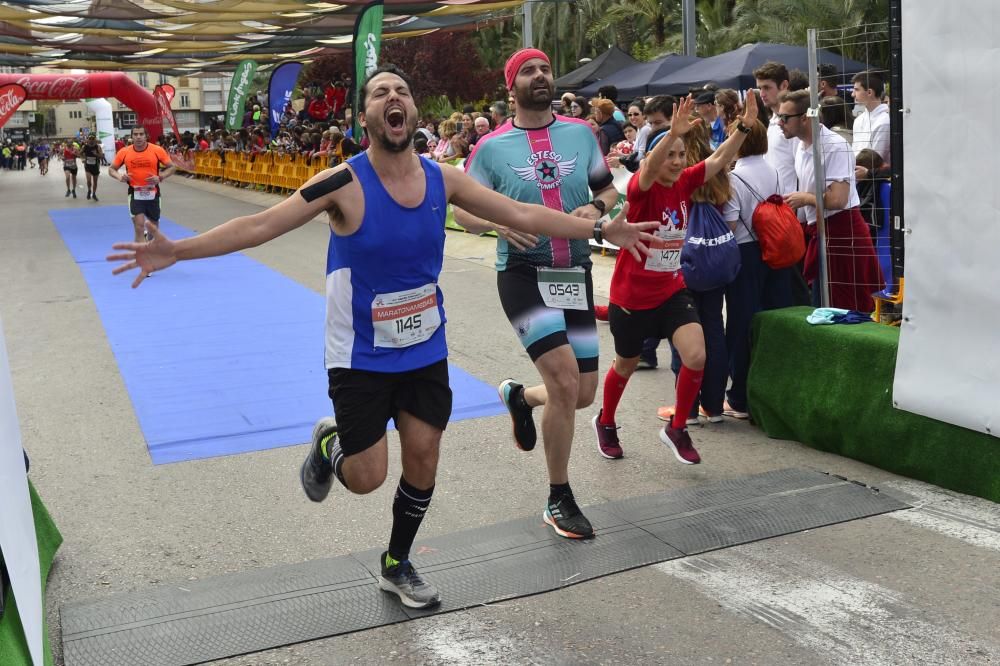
384	310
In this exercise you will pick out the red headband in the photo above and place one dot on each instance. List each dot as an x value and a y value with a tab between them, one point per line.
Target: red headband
519	58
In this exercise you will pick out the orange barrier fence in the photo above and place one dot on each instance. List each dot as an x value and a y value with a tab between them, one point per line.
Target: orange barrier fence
268	171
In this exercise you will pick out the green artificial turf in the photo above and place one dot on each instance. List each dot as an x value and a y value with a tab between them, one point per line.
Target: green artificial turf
13	646
830	387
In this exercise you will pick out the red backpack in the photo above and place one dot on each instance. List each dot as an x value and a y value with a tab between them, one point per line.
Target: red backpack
782	243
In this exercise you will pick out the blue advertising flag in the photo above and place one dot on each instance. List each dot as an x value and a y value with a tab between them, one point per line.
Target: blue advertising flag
279	91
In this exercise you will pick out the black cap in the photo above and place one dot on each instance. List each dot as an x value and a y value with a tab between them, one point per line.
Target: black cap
707	97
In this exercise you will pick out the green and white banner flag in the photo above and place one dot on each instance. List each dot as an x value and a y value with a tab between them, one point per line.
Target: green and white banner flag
239	87
367	43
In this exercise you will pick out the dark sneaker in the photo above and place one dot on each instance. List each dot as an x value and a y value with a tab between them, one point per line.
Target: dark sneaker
403	580
67	193
607	439
679	441
512	396
74	194
317	470
95	197
88	195
648	360
566	519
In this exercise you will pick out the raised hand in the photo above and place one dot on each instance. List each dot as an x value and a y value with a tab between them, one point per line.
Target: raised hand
157	254
749	114
681	121
630	237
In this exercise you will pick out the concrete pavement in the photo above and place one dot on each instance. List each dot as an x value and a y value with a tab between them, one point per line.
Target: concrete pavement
919	586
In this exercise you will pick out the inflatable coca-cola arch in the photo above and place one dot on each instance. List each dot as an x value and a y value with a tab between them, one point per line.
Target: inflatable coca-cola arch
101	84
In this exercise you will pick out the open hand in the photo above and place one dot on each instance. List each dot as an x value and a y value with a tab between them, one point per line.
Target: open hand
681	121
749	115
630	237
157	254
518	239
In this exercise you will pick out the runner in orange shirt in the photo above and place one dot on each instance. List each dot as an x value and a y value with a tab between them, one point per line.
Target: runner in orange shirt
143	162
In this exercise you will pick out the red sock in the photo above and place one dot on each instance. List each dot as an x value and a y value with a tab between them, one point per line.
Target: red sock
614	386
688	385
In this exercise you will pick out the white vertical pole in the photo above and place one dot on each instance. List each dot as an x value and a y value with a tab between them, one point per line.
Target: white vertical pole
526	28
818	170
689	31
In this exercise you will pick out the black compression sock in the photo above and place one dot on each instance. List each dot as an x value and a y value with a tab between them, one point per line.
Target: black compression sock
408	509
557	490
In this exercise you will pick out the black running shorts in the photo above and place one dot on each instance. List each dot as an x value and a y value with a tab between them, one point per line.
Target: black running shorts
69	167
94	169
630	327
364	401
541	328
150	208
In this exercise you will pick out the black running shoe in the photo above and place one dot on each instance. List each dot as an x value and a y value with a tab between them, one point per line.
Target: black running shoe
403	580
566	519
88	195
95	197
317	470
512	395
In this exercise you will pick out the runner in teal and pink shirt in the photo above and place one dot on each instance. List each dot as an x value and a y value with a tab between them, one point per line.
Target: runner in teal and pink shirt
544	283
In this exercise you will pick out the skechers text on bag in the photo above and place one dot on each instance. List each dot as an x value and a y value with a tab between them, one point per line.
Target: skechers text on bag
710	258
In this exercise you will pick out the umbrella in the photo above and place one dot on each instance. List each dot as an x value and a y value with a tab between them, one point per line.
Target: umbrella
603	65
734	69
637	80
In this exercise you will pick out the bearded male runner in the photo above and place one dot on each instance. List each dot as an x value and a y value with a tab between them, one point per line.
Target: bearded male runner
386	354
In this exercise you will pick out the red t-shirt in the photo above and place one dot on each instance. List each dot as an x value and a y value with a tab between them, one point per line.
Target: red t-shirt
633	285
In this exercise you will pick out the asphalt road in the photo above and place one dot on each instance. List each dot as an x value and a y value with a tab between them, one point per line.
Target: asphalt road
917	586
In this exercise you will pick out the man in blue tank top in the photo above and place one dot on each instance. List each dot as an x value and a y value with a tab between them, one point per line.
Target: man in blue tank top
555	161
386	355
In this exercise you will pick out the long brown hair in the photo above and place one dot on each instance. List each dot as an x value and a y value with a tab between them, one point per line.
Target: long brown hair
716	190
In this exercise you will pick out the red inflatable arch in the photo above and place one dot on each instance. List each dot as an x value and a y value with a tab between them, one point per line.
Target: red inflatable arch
102	84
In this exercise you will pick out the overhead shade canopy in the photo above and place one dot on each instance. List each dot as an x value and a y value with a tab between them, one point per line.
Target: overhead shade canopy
175	36
638	80
607	63
734	69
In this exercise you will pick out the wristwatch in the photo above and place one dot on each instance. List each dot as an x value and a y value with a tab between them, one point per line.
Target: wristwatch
740	127
599	205
598	227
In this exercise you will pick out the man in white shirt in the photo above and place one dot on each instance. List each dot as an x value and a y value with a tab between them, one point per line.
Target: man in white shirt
871	128
852	268
772	80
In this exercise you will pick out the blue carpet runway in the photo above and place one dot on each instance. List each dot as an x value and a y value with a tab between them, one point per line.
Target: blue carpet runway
219	356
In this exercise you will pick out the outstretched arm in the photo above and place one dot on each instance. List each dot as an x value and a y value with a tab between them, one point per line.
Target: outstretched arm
486	204
237	234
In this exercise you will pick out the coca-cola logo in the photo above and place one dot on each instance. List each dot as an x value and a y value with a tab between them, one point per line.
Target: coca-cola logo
11	96
56	87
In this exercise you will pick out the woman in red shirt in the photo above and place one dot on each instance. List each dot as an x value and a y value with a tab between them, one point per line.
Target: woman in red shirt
649	298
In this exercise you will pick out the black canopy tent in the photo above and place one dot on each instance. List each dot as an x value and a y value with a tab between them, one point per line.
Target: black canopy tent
639	80
734	69
603	65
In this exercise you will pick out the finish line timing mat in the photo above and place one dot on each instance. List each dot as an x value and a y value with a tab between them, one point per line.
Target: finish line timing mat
257	610
219	356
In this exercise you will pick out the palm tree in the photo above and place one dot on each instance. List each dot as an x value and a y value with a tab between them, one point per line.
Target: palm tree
633	22
854	28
